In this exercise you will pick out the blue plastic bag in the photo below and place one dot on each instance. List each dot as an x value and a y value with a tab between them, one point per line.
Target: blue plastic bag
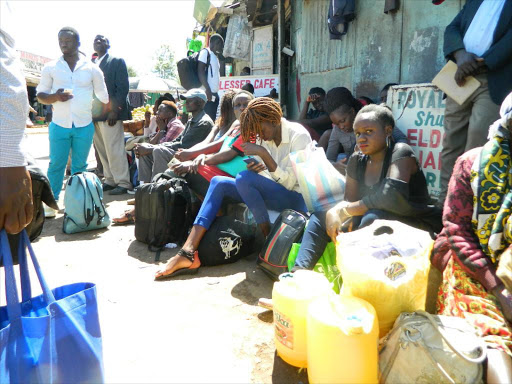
51	338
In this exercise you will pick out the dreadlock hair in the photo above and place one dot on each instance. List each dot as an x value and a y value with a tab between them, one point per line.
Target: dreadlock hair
338	97
260	110
227	113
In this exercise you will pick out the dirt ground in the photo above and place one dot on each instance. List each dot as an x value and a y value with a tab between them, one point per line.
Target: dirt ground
201	329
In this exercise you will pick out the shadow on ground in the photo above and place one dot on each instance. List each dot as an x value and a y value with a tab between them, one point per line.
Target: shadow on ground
283	372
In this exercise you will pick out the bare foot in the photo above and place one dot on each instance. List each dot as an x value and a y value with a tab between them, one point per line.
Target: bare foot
174	263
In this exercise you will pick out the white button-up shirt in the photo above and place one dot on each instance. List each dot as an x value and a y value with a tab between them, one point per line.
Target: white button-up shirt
294	137
480	34
83	81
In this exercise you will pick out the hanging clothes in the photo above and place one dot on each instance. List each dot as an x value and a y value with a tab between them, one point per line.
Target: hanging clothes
341	12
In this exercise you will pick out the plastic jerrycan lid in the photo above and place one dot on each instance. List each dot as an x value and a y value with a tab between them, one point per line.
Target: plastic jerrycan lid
358	321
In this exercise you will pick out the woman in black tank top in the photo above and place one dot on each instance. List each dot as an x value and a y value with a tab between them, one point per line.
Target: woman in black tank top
384	181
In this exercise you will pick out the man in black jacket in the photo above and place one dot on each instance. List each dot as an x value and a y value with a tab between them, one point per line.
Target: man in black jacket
108	122
479	40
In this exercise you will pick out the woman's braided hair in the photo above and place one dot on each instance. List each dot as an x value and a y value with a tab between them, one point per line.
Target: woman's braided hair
259	110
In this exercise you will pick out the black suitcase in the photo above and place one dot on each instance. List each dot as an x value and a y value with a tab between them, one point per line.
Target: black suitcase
287	229
163	212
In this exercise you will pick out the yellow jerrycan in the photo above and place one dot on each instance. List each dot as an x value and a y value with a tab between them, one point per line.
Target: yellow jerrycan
342	339
291	297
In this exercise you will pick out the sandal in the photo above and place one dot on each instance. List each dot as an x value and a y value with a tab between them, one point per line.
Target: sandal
128	218
192	270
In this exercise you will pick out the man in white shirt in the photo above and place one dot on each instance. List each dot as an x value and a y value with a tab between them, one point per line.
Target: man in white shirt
68	83
479	40
16	208
208	70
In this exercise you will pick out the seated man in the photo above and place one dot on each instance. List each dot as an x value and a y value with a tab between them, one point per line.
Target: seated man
316	120
153	159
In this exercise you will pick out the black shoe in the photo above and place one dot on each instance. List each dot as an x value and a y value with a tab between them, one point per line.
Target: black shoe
118	191
108	187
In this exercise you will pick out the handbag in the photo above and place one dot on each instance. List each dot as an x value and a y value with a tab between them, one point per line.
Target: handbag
51	338
424	348
287	229
321	185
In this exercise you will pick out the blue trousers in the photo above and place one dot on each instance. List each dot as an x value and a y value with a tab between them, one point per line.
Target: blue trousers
315	237
257	192
62	140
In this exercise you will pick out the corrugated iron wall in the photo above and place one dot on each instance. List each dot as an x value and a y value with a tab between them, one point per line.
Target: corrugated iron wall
403	47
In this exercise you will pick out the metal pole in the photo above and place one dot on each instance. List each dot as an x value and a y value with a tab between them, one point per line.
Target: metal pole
280	46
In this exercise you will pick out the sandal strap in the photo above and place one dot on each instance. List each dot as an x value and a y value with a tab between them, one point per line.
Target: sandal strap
188	255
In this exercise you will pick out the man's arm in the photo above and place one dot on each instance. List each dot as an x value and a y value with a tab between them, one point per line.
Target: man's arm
304	111
453	39
201	72
121	89
500	53
16	207
98	83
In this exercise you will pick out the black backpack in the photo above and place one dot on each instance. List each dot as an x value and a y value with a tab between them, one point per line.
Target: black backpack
287	229
227	241
188	68
163	212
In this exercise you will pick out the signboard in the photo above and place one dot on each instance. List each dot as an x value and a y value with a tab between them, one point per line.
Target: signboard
418	110
33	62
262	84
262	50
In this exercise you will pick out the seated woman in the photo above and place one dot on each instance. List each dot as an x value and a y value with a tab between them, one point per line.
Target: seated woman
343	107
268	183
228	161
477	229
222	127
384	181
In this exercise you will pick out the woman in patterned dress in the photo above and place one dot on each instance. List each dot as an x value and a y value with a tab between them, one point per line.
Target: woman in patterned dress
477	222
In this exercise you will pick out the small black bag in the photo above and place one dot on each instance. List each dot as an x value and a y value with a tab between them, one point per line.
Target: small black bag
188	68
287	229
227	241
163	212
41	192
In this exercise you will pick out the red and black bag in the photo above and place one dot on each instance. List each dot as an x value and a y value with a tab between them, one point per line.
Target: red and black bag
287	229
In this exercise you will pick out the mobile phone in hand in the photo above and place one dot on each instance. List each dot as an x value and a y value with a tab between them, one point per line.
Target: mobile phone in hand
251	160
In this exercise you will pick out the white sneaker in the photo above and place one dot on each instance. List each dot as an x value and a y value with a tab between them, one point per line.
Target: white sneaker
49	212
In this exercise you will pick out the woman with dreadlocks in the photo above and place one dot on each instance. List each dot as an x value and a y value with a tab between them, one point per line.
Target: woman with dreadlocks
268	183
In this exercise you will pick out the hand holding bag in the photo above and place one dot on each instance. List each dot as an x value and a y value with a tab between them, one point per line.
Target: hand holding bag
51	338
423	348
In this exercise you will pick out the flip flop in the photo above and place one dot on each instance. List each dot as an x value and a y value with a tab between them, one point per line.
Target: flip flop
130	219
192	270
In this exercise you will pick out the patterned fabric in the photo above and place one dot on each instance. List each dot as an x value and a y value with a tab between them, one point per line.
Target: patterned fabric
491	179
462	296
174	129
458	238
